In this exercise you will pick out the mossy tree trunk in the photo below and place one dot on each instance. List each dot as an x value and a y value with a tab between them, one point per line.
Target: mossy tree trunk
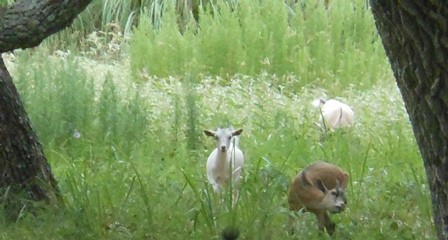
24	171
415	37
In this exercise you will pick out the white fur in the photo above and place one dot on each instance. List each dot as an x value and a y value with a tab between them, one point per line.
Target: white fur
335	114
225	154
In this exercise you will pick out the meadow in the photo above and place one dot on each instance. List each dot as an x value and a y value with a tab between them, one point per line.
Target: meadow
120	112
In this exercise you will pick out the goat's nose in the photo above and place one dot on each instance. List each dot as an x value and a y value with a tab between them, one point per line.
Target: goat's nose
223	148
337	209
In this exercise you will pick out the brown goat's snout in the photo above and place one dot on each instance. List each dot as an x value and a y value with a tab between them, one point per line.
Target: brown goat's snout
339	208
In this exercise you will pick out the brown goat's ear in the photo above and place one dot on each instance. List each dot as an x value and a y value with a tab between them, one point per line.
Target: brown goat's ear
209	133
237	132
321	186
305	180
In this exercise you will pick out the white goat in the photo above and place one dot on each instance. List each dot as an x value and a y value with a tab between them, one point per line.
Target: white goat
334	114
225	160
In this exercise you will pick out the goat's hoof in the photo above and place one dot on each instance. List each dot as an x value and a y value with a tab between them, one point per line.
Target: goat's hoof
331	228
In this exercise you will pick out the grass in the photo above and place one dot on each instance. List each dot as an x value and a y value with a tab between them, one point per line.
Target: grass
310	44
128	150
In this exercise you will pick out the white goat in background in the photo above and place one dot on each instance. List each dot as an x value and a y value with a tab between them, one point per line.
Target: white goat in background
335	114
226	160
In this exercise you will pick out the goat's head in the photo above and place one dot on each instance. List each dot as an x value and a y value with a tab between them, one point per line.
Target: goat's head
223	137
334	199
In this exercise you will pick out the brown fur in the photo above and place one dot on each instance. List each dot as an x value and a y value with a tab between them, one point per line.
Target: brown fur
306	191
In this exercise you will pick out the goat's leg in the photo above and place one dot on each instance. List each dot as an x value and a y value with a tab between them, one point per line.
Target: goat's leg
294	207
324	222
236	195
291	223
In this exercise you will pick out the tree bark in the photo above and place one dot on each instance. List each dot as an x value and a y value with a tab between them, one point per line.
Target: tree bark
24	171
415	37
23	168
27	23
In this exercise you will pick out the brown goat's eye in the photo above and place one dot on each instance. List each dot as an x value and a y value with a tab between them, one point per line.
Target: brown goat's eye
334	194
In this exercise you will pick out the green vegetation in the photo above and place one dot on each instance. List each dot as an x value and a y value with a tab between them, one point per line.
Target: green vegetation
121	120
319	47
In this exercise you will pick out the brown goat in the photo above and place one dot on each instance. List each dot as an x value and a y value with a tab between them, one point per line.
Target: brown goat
319	188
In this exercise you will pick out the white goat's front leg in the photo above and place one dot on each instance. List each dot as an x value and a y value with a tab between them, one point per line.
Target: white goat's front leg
236	195
236	177
216	188
216	184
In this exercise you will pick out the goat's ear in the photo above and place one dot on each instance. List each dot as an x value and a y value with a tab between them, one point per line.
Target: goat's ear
209	133
321	186
237	132
305	180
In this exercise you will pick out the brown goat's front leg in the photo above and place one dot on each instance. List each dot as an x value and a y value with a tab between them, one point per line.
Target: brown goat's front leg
291	223
324	222
294	206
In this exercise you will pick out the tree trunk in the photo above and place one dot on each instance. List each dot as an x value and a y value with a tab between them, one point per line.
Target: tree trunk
415	37
24	171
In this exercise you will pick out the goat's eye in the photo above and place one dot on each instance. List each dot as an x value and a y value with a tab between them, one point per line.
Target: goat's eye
334	194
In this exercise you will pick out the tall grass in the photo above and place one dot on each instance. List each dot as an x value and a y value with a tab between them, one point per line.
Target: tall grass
131	174
124	136
338	46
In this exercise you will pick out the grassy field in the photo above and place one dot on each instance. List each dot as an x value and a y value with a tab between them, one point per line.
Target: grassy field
121	120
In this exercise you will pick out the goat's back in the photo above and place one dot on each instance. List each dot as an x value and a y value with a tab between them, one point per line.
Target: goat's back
337	114
328	173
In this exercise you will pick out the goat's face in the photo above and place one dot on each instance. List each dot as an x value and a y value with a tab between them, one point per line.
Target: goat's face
334	199
223	137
